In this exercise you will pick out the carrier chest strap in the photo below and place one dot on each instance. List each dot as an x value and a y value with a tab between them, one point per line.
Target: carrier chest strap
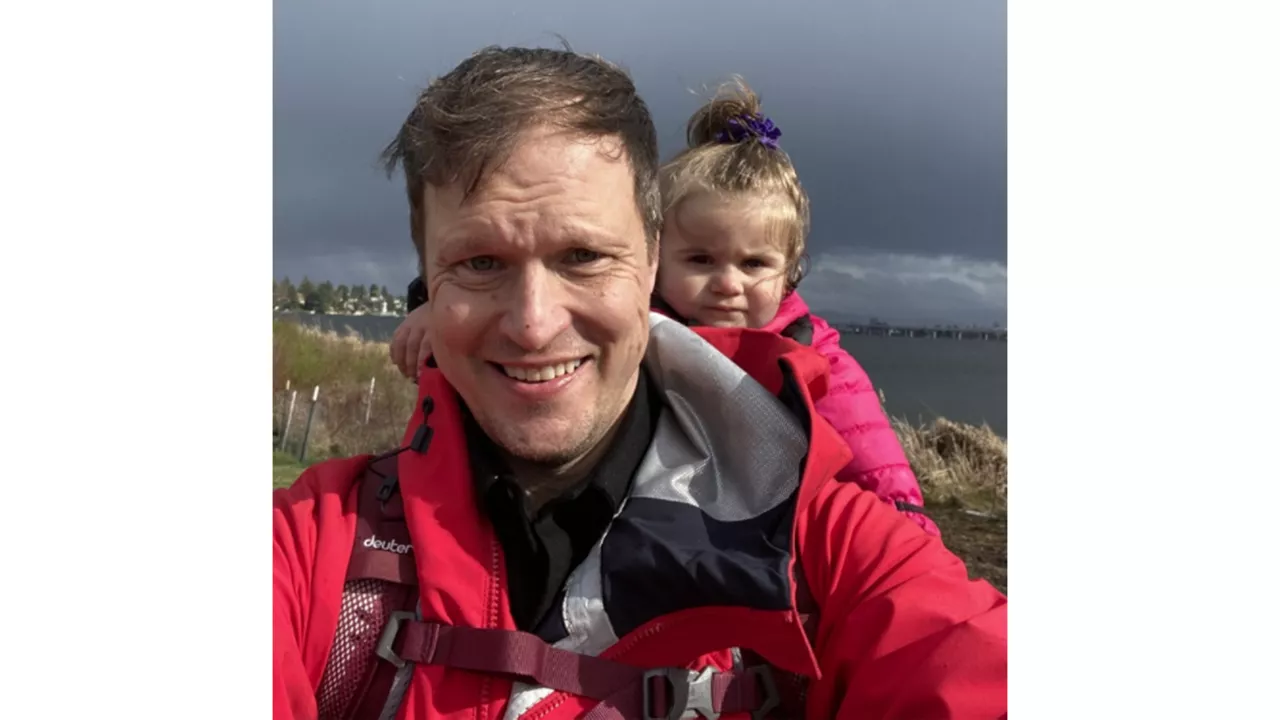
627	692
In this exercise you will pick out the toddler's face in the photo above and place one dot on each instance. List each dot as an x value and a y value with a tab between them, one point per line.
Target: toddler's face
720	264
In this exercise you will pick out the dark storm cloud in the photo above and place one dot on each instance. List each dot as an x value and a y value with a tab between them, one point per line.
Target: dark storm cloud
894	112
909	289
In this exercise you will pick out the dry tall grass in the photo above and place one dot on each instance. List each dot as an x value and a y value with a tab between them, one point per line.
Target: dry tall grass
342	367
957	464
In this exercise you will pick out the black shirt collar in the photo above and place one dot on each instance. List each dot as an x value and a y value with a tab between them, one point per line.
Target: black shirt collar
608	481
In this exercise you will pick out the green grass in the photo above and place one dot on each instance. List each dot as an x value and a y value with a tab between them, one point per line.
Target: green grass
285	468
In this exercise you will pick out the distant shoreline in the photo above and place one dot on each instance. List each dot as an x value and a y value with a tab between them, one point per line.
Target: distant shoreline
935	332
312	313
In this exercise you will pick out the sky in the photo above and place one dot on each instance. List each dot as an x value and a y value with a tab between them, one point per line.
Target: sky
892	110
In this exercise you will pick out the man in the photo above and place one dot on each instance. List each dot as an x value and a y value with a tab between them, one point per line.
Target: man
599	512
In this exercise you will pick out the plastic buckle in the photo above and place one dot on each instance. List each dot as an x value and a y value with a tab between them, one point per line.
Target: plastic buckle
388	487
384	649
771	700
690	697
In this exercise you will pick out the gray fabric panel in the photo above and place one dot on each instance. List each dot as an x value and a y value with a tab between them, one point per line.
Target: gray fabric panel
724	443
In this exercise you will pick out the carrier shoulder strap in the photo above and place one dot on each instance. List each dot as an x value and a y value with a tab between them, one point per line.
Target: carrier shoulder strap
381	581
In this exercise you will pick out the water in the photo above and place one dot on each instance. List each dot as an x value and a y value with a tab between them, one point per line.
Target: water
922	378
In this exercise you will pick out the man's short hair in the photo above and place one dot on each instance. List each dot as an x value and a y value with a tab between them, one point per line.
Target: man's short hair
467	122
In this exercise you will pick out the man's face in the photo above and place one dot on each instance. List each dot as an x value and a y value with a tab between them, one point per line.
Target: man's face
539	290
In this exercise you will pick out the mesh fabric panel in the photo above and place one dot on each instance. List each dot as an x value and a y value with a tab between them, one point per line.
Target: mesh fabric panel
360	622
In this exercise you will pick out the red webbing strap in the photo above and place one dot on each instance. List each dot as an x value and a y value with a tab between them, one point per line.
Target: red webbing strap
382	521
519	654
621	687
368	679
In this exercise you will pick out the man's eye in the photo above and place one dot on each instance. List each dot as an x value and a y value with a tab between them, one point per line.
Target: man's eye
484	263
583	256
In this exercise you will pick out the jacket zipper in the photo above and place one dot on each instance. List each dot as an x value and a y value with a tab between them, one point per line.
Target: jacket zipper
493	598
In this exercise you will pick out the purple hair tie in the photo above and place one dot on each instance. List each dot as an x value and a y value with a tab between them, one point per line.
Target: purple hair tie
747	127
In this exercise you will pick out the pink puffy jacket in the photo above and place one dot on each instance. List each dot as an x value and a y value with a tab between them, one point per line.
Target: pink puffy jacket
853	408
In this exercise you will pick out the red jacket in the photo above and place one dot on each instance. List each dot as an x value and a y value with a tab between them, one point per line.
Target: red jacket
902	631
853	407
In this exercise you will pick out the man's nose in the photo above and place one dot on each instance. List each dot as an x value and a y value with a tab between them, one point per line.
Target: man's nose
726	281
536	312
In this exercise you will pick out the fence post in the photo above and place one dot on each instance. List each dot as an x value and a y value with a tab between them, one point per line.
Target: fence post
288	419
368	408
311	415
282	402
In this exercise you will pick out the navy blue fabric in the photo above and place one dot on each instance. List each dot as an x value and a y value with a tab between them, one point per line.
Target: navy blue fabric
662	557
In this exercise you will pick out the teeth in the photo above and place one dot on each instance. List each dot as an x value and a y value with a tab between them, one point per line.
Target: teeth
542	374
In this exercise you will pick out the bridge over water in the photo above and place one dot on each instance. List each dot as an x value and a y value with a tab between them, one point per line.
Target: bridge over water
936	333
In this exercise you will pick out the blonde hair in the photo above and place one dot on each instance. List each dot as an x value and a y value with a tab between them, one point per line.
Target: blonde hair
726	158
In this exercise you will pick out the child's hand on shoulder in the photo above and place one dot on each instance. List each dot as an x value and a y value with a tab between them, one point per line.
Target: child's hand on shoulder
411	344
